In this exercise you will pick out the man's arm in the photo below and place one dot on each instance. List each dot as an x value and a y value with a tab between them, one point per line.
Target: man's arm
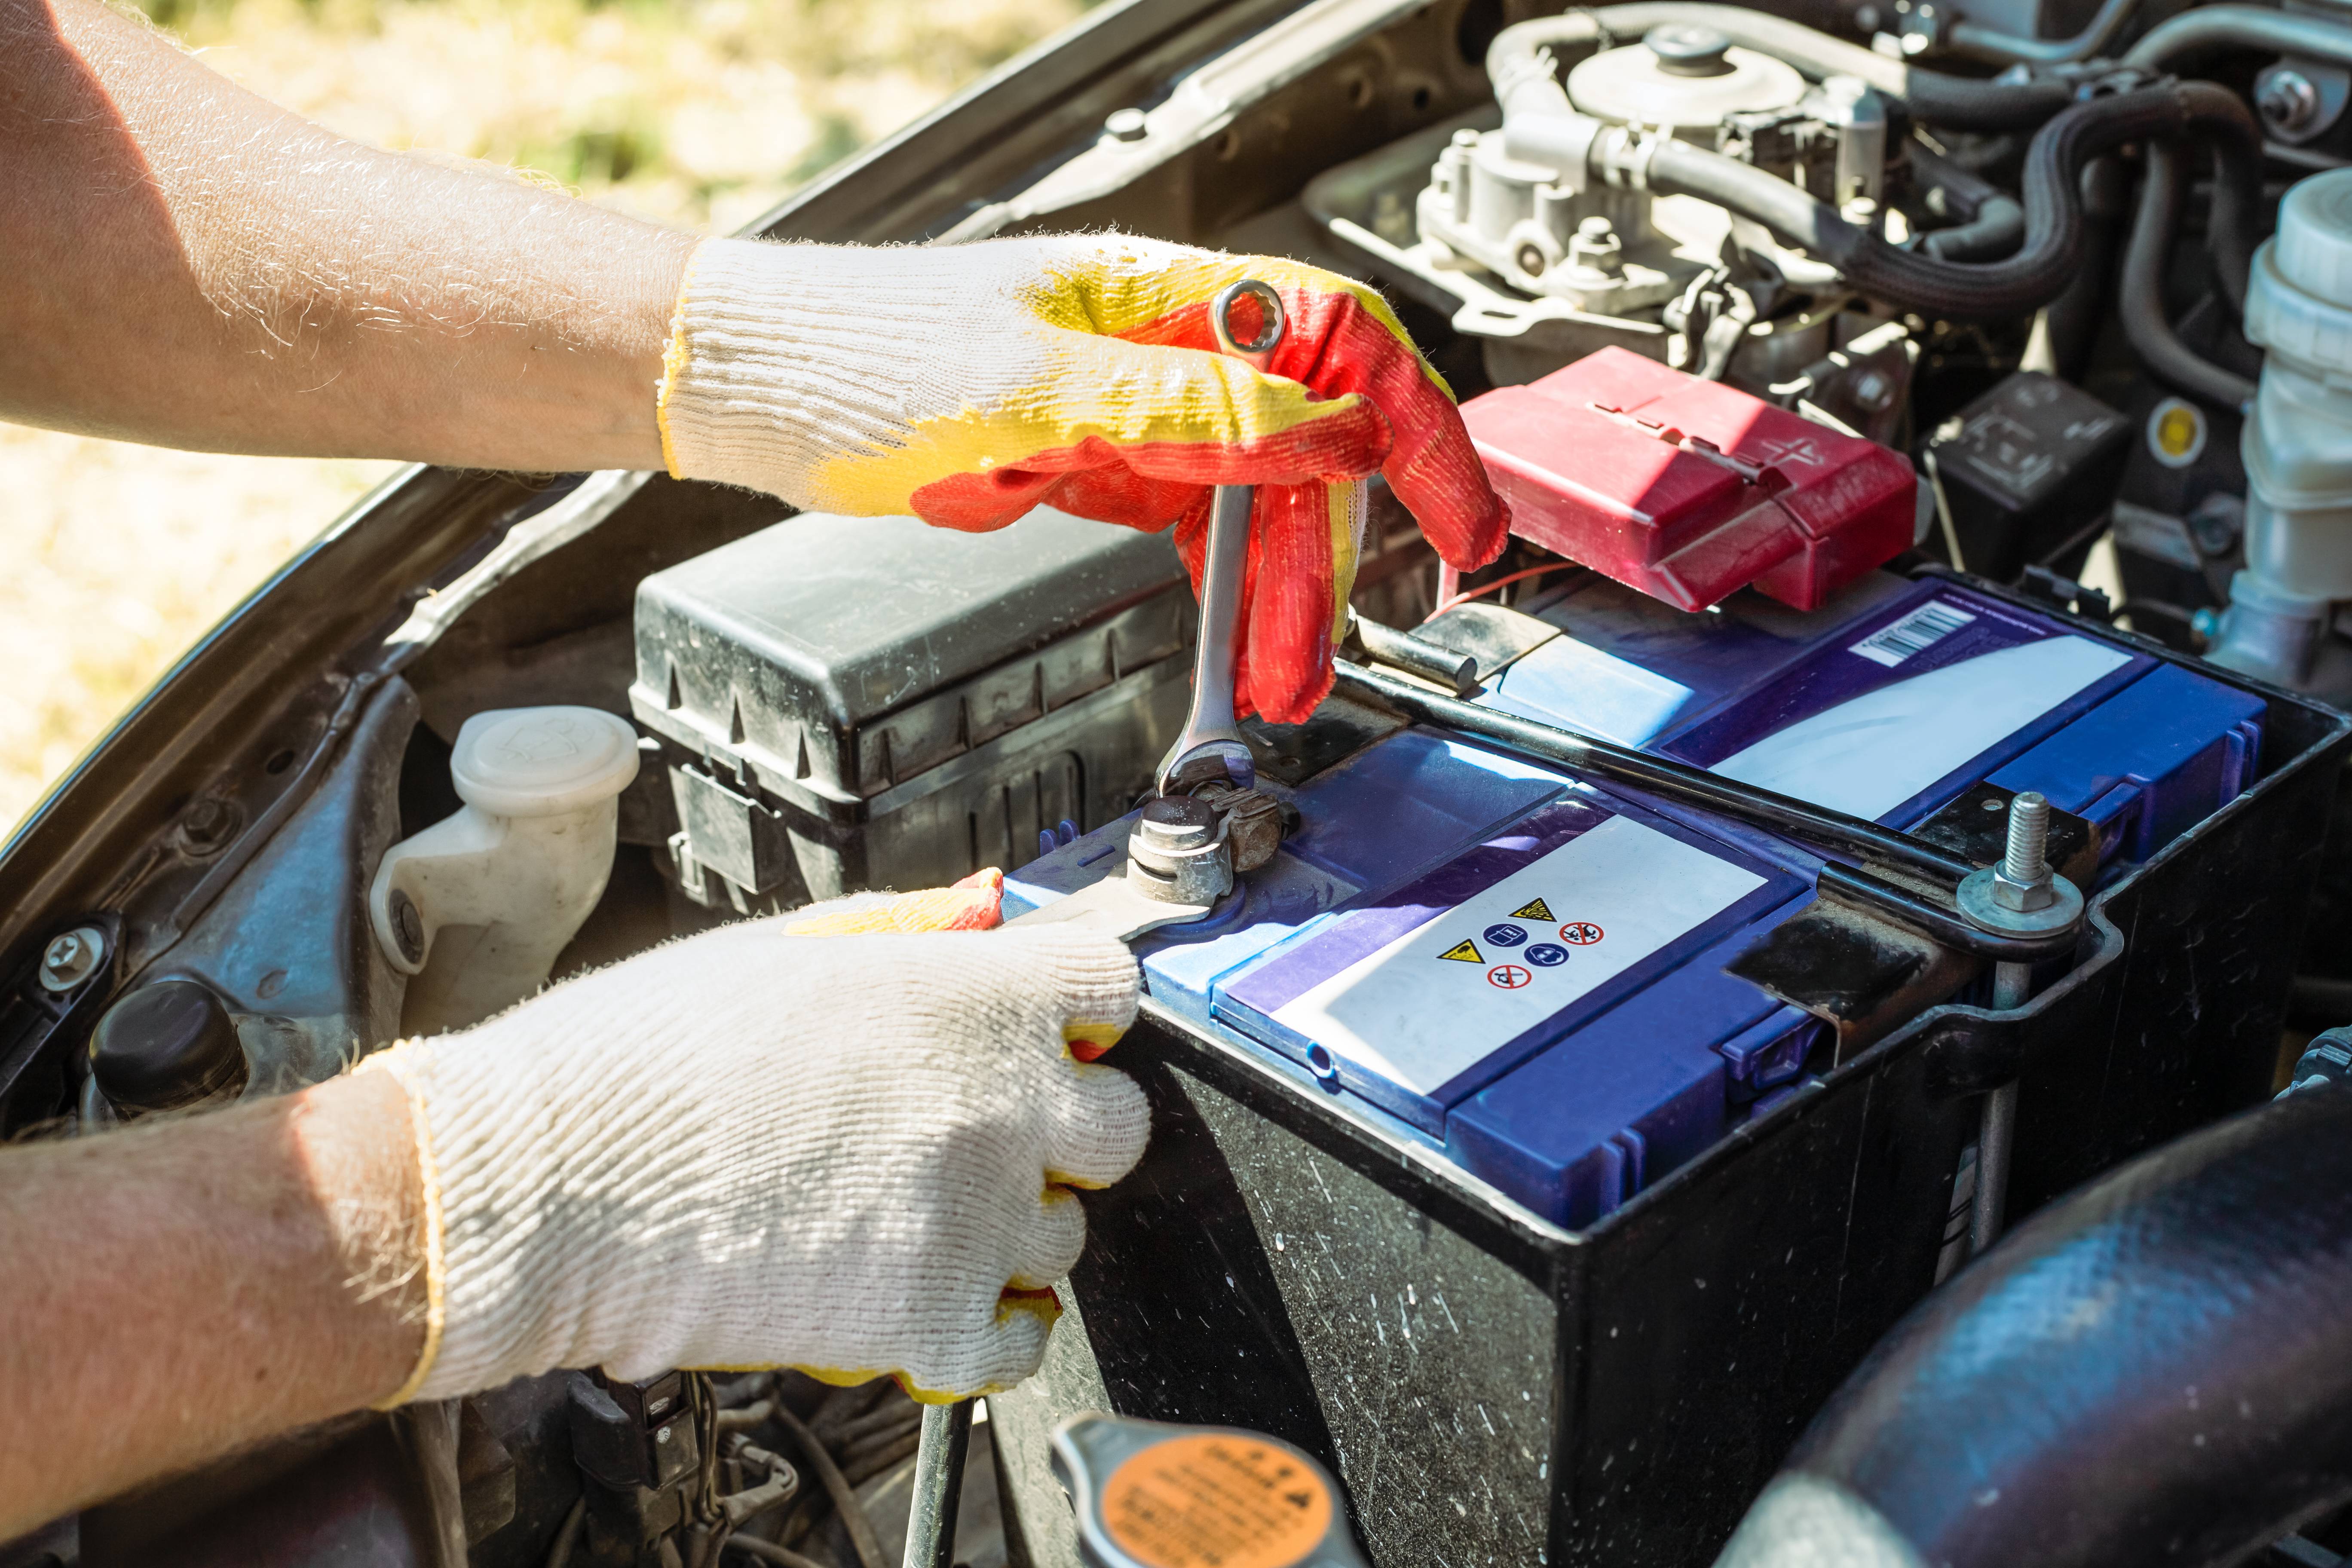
191	265
844	1142
180	1290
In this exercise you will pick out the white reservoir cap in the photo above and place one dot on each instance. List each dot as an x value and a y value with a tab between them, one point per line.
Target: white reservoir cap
1681	75
537	762
2299	299
2315	235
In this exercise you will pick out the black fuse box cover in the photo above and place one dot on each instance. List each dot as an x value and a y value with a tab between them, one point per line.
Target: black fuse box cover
2025	471
836	655
873	702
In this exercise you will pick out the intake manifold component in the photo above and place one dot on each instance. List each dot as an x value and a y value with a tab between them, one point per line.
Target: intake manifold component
476	907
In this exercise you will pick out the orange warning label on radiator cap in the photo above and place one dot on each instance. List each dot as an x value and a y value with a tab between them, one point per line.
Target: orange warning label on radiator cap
1216	1500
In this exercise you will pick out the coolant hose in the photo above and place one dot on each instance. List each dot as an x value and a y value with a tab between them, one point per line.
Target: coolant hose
2141	301
2196	36
2154	1369
2043	265
1960	103
1991	44
1992	223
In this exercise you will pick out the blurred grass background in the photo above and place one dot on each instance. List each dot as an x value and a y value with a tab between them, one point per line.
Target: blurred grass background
115	558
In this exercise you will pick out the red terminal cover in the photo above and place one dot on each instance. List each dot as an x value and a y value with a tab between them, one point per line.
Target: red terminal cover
1690	490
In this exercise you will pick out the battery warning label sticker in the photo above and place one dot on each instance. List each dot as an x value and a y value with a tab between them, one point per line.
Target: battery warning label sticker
1215	1500
1442	997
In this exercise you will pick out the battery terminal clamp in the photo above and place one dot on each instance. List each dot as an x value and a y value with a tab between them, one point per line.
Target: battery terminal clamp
1180	852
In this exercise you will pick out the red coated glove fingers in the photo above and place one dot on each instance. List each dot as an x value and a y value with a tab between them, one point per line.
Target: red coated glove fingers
1282	665
1335	346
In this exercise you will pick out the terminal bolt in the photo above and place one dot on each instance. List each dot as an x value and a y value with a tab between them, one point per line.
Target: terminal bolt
1252	823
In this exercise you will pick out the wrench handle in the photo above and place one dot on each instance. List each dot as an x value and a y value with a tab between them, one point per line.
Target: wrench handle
1224	568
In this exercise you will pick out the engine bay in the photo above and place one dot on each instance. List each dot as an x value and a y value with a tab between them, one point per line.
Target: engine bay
1651	973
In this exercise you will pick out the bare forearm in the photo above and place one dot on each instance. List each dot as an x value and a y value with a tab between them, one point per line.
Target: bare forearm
192	265
199	1286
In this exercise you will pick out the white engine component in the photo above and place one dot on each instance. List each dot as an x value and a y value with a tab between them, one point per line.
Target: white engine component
476	907
1543	238
1684	81
2298	443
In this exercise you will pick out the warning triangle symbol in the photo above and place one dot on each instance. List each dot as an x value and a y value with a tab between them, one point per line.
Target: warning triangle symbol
1534	910
1465	951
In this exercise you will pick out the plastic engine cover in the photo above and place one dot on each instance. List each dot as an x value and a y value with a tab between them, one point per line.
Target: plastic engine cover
1690	490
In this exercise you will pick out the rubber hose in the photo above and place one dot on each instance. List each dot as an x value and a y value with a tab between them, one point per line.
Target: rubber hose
2007	48
1996	231
2193	36
2154	1369
2141	304
1961	103
1991	223
2043	265
2070	323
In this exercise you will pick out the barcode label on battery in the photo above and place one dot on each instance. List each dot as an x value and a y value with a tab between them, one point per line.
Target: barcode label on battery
1920	630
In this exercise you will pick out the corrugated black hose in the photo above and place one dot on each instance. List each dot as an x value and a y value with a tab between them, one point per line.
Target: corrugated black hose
2046	261
2154	1369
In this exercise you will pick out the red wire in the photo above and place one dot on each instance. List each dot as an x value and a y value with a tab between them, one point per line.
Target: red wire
1485	588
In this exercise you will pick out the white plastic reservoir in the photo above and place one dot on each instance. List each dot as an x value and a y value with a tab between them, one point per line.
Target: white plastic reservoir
2298	443
476	907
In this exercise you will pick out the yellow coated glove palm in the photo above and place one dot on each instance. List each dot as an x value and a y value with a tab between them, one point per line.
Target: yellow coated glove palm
967	384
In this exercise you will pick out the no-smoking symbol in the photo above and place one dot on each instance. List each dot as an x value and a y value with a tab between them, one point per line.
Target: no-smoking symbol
1579	933
1509	976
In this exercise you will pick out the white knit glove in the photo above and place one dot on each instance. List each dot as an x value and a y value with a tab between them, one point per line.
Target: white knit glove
850	1154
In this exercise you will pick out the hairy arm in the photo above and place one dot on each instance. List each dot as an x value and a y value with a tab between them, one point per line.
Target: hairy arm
227	1276
191	265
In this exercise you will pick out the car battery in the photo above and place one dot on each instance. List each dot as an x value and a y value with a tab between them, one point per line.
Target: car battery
1690	490
1404	949
1892	701
870	702
1563	1285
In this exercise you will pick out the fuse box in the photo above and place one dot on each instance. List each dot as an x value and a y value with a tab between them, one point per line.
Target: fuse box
854	702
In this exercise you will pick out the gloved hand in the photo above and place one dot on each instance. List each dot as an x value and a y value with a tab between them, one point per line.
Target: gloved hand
755	1149
968	384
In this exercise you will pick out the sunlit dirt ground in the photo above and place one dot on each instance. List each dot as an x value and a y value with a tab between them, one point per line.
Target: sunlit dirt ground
114	558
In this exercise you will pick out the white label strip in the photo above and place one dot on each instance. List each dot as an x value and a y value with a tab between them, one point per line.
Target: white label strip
1920	630
1869	755
1448	993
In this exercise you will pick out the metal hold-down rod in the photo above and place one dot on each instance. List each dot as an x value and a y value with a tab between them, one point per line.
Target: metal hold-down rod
939	1484
1781	814
2023	885
1819	825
